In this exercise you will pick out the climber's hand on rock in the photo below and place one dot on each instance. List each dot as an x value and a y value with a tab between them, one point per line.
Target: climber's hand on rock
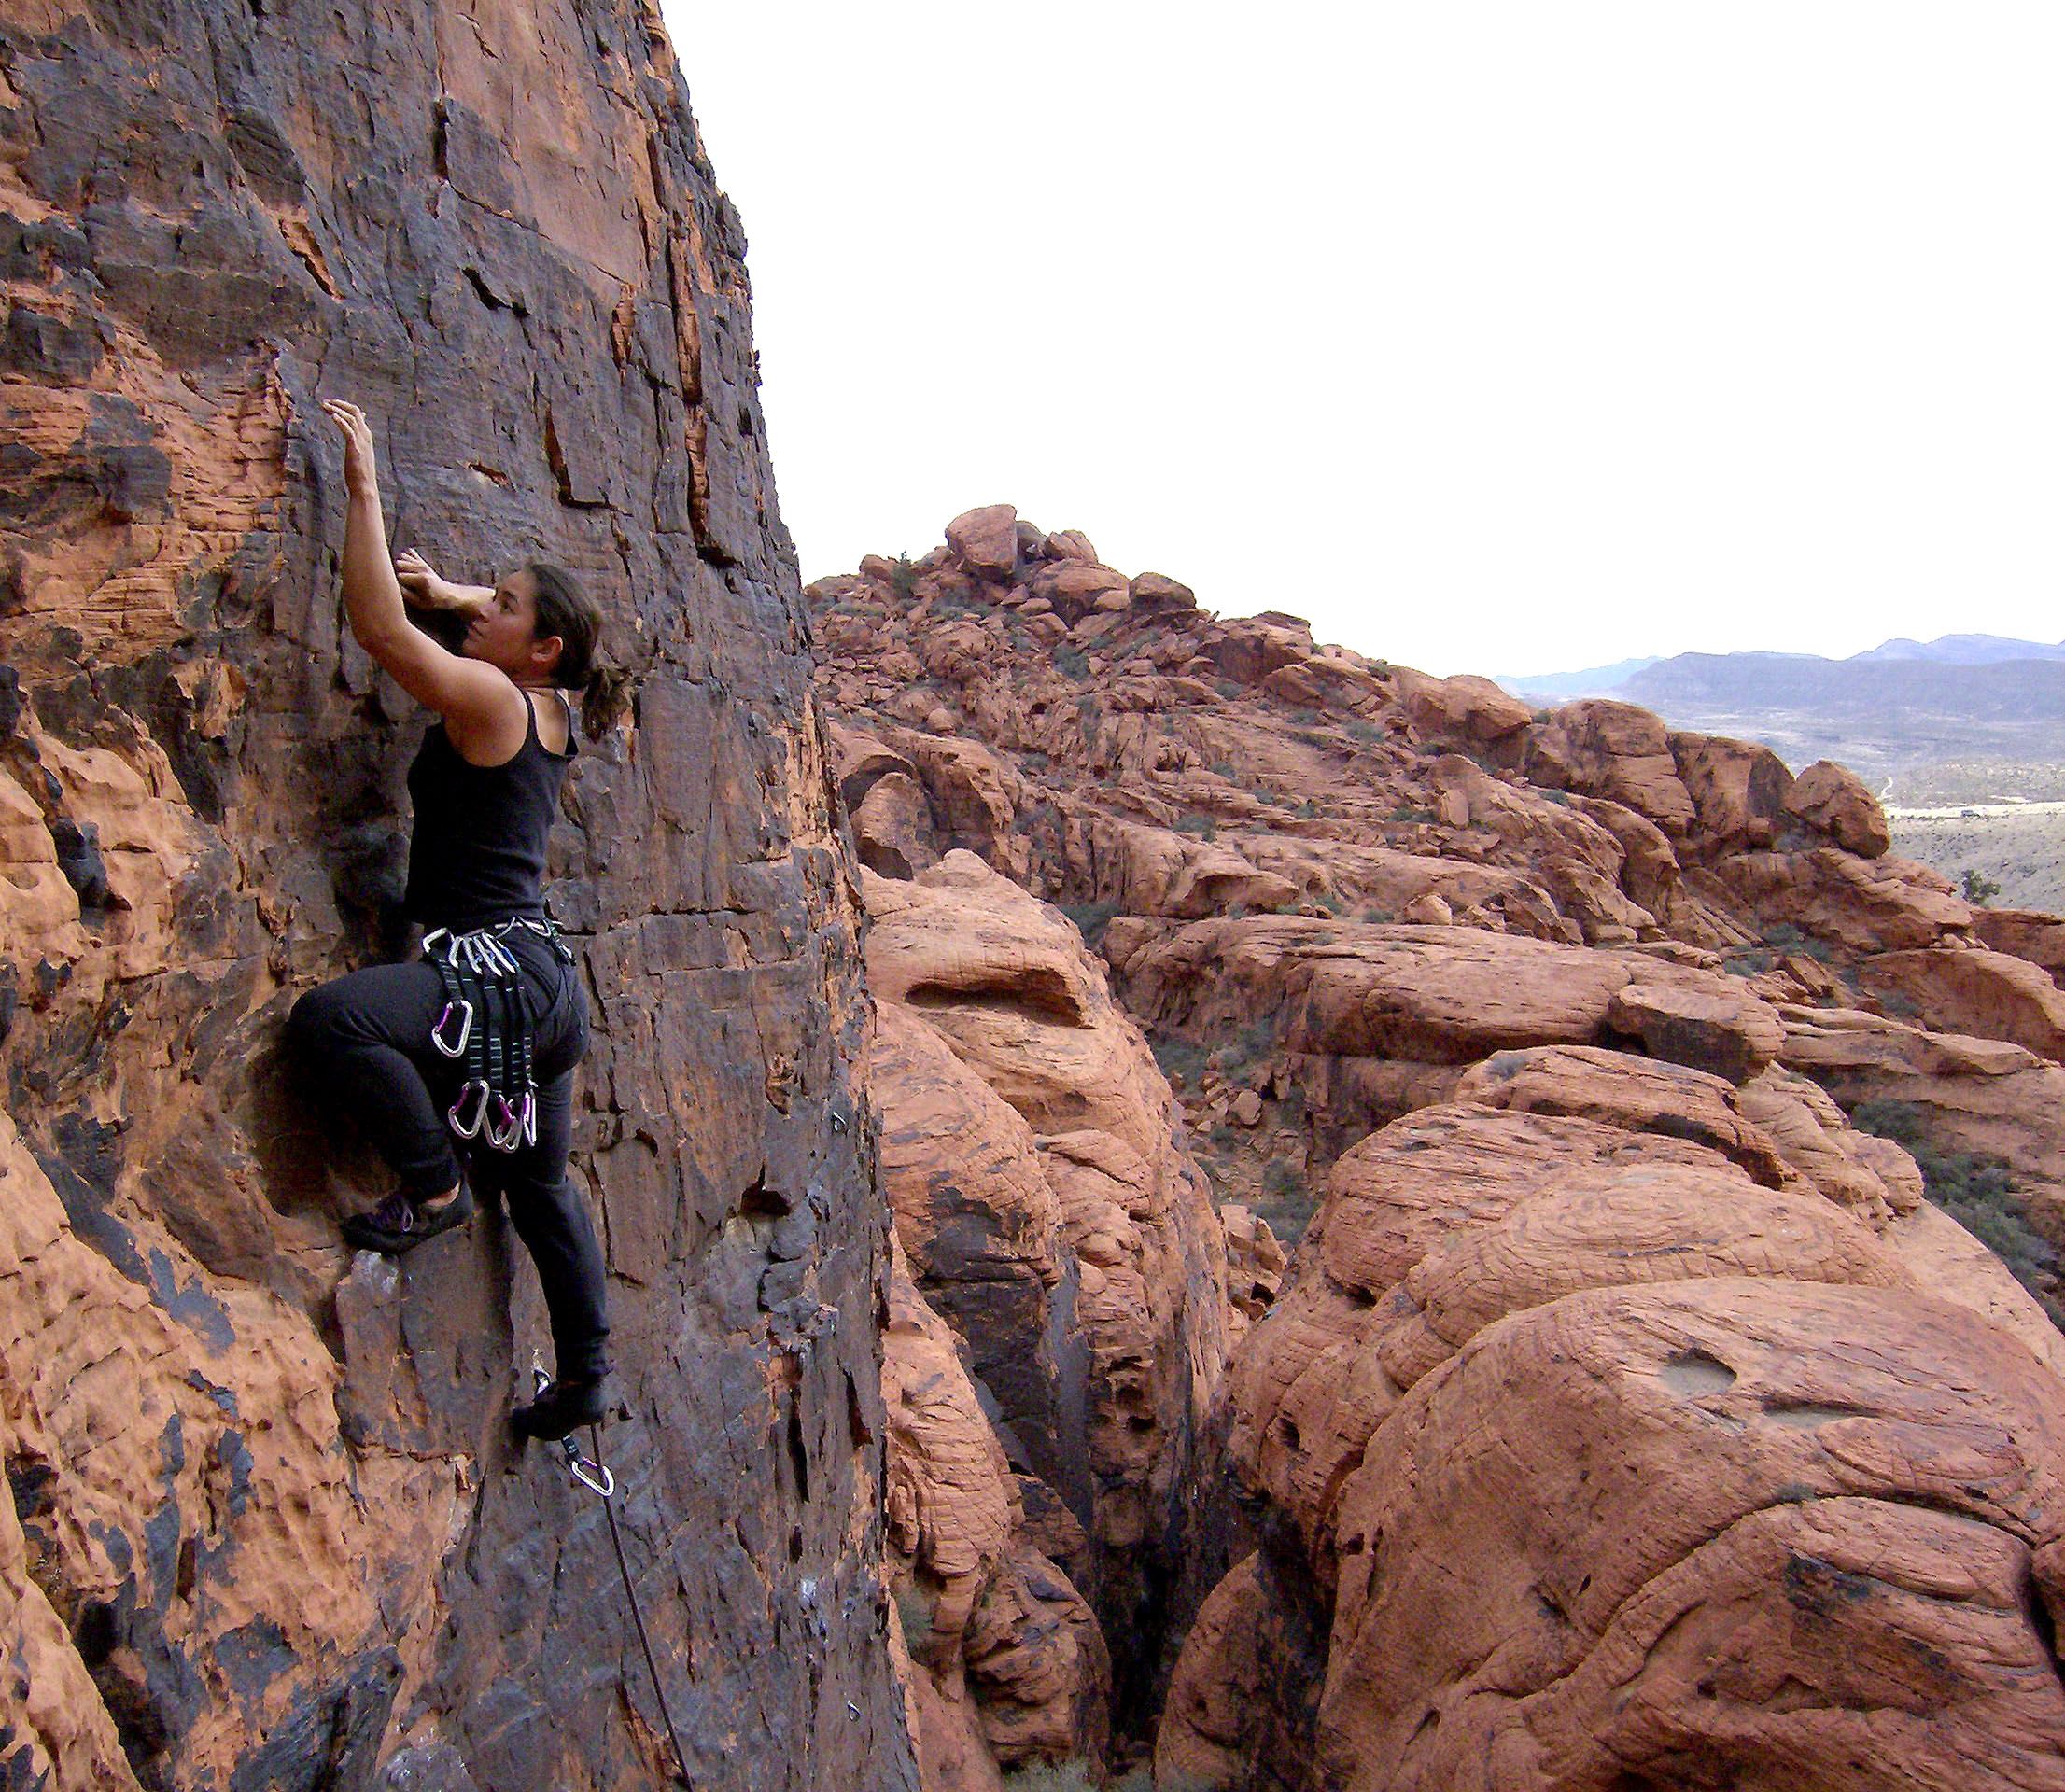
421	584
360	479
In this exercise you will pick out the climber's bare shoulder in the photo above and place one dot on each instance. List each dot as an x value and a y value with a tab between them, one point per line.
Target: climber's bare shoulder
486	716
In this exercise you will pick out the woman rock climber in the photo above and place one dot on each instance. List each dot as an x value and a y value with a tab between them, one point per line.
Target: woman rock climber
495	976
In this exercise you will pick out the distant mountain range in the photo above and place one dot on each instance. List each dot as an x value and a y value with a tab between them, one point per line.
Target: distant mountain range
1965	718
1705	672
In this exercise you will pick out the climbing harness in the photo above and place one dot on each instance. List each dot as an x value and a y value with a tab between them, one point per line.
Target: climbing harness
591	1475
485	1025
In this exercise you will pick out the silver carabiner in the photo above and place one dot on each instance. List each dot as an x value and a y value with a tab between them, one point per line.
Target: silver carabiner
466	1028
469	1129
585	1468
510	1134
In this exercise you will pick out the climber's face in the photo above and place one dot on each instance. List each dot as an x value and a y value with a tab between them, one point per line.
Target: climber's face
505	634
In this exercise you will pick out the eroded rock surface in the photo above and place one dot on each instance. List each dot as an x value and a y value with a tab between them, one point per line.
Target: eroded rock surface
1052	1215
266	1528
1541	1028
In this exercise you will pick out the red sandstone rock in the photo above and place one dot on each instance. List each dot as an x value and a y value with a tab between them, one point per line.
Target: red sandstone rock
1724	1488
1713	1029
2039	938
1463	709
1835	802
1738	789
1990	994
986	540
1582	880
1007	1665
266	1529
1617	751
1030	1151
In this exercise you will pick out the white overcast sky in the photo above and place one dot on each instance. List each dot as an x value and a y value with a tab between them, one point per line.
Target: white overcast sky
1499	336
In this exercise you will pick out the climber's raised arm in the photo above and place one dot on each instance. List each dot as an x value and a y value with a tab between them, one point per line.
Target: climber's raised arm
479	702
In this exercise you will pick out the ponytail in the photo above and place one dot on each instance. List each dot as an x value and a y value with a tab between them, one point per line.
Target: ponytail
604	700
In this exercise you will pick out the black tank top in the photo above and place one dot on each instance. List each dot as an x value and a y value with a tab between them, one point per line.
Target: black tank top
477	849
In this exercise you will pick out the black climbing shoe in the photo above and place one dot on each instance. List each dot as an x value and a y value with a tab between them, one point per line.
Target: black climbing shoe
400	1224
564	1407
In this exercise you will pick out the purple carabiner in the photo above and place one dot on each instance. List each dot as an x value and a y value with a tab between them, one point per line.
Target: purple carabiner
510	1133
465	1010
469	1127
529	1108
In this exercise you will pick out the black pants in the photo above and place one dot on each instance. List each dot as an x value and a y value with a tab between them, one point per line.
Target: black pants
368	1037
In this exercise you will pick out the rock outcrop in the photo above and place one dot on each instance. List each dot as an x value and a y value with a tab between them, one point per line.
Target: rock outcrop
266	1530
1626	1415
1053	1217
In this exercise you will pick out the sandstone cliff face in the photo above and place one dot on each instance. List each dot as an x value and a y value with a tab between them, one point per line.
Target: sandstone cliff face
265	1529
1051	1212
1627	1416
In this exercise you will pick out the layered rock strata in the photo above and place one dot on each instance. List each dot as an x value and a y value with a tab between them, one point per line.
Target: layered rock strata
1053	1217
266	1529
1656	1443
1614	1423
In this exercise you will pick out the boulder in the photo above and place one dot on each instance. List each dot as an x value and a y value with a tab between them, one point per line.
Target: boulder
1991	994
1833	801
1638	1590
1713	1028
2039	938
985	540
1637	1094
1437	995
1157	594
1465	708
1738	789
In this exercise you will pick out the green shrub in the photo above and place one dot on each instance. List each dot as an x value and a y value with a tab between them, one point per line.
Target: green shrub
1091	919
1979	889
1223	768
1226	688
1365	732
1181	1061
1308	808
1378	916
1249	1046
1203	825
1288	1202
1280	1181
1074	1775
1071	661
1978	1192
1406	812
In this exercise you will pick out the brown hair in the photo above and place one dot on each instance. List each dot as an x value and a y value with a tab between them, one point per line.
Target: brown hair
565	609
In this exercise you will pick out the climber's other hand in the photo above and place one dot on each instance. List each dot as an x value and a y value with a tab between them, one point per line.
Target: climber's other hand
360	480
419	580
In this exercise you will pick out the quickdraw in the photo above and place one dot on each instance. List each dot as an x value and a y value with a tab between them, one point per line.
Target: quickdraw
486	1025
590	1472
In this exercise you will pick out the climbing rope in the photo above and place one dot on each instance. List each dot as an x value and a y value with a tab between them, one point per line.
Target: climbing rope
589	1471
